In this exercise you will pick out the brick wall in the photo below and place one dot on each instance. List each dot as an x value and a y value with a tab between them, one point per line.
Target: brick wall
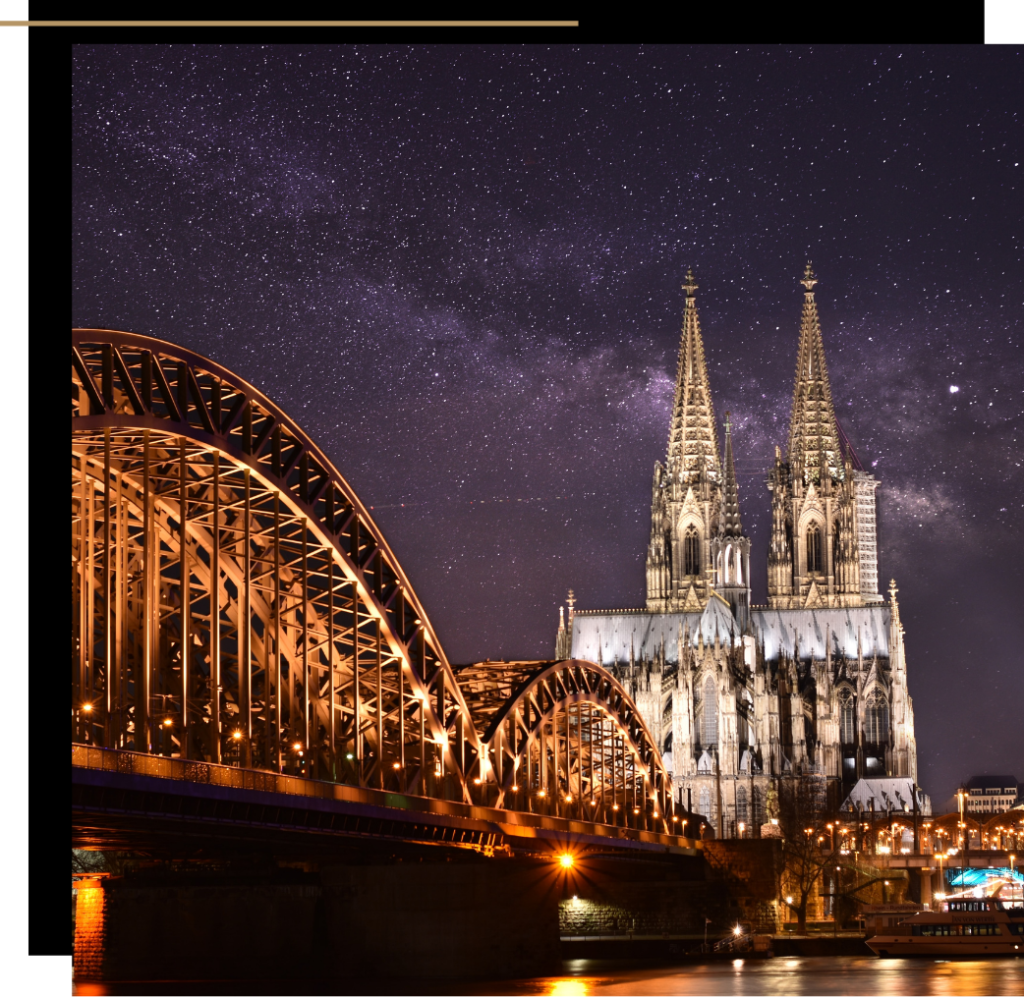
90	930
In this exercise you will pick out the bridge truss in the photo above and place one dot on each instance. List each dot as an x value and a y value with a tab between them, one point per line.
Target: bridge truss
234	602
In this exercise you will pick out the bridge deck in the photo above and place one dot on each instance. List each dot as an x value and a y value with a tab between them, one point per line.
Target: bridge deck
116	792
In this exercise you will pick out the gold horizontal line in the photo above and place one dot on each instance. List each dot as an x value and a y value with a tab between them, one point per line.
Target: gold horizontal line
289	24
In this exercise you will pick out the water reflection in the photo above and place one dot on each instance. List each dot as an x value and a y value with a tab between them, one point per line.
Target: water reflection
783	976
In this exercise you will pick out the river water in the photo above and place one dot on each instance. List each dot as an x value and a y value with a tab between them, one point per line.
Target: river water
784	976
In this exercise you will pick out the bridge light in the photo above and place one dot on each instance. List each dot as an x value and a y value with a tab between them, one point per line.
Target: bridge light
350	756
515	789
476	781
568	798
674	817
636	810
737	930
615	806
542	793
237	735
87	707
565	860
168	722
655	813
297	745
398	765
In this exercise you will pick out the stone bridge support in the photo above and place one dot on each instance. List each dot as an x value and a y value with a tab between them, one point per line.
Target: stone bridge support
407	919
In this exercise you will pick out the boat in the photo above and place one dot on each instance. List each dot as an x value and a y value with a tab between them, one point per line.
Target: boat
965	925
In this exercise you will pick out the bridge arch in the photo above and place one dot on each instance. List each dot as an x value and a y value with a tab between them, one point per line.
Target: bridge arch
232	597
565	738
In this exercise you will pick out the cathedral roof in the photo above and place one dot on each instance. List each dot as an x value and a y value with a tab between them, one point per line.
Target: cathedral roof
888	793
607	637
693	438
779	630
813	431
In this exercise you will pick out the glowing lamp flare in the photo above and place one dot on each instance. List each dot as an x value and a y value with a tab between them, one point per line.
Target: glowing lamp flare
565	860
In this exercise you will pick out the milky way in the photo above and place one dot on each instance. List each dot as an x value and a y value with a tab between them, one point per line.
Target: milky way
459	269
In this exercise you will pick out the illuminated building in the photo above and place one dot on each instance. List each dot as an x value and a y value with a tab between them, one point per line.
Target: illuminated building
814	683
990	794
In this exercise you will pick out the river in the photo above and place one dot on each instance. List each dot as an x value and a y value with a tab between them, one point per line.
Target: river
784	976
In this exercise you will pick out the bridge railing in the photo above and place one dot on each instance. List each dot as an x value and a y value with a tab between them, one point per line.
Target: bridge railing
516	823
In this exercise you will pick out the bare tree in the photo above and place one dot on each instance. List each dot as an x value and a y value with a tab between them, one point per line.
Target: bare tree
808	845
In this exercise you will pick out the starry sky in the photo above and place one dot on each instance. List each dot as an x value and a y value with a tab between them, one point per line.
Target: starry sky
459	269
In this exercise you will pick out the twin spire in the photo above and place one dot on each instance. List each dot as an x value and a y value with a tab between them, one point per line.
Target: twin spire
814	440
692	441
814	434
813	430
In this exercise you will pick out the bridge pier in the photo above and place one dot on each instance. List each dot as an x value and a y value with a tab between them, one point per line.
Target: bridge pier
475	917
926	887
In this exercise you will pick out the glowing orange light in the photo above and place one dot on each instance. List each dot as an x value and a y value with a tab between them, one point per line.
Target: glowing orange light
565	860
541	793
568	798
515	789
167	723
615	806
297	746
87	707
237	735
398	765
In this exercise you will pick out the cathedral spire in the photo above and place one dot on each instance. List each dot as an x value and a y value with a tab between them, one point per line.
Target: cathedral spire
693	442
813	432
730	524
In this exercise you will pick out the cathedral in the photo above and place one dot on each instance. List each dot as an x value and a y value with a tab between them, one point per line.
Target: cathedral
737	695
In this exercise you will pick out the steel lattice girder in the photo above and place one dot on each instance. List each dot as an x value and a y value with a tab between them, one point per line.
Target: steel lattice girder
151	422
527	710
182	470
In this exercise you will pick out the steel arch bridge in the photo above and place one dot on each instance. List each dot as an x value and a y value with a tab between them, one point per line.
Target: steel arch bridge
233	602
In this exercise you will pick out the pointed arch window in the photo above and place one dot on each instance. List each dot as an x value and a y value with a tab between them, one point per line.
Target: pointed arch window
705	802
741	804
876	718
847	717
709	719
813	548
691	552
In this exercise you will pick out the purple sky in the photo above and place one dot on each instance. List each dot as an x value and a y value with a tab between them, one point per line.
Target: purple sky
458	268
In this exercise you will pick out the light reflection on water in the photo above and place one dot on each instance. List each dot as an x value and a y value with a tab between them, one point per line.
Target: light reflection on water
782	976
789	976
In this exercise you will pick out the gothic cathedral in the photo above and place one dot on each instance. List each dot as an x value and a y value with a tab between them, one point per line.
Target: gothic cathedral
738	695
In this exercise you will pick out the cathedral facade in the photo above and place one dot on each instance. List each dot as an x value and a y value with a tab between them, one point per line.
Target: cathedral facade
738	696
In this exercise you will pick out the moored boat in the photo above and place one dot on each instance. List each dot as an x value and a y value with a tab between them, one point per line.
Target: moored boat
965	926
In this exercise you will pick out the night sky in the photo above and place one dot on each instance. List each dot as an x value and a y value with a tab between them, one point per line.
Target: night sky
459	270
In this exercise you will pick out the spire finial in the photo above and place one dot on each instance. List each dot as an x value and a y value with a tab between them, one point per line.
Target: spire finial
572	602
809	279
689	287
728	423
